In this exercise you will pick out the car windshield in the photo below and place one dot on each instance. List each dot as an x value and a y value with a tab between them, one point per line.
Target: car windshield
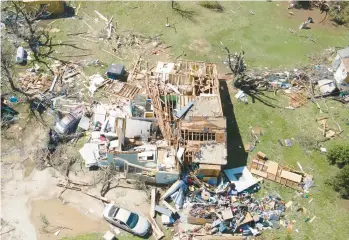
112	211
132	220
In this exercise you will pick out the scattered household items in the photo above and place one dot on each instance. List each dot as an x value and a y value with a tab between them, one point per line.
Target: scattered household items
116	72
69	122
327	86
21	56
241	96
96	81
8	114
126	220
220	211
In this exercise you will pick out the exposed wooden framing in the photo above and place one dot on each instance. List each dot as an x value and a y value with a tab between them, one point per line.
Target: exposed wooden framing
163	120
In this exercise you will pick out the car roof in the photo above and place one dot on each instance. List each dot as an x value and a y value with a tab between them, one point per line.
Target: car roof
122	215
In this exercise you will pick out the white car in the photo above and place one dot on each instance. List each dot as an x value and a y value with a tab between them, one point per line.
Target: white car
126	220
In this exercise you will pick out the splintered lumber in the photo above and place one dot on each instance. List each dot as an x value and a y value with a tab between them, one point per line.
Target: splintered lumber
135	66
158	234
168	206
53	83
152	203
198	221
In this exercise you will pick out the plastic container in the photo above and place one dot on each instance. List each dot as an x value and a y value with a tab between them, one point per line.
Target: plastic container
20	56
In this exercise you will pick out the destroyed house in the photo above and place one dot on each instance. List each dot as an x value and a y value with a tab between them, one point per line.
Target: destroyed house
178	121
189	111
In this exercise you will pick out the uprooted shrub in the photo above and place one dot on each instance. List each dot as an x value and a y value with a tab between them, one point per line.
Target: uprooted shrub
340	182
339	154
212	5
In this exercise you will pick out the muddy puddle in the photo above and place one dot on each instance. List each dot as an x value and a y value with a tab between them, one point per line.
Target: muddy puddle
50	216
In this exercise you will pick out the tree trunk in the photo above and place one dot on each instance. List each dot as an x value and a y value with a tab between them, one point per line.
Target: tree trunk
10	80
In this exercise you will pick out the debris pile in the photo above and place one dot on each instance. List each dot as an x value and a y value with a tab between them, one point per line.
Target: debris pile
31	81
220	210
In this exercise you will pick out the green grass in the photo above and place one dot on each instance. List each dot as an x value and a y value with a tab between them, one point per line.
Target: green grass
265	36
89	236
332	219
99	236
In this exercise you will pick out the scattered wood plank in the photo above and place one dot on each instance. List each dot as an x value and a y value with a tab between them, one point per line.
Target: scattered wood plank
53	83
73	34
112	54
87	39
152	203
198	221
158	234
71	75
169	206
101	16
87	25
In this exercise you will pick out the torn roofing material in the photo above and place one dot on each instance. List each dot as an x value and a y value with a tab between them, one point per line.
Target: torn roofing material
241	177
343	53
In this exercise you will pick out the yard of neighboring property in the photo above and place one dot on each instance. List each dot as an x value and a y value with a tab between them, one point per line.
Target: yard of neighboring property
269	36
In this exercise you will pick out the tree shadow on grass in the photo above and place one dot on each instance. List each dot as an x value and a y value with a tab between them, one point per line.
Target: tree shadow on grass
237	156
186	14
306	5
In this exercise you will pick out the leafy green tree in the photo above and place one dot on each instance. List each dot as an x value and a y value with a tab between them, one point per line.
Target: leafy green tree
339	12
339	155
340	182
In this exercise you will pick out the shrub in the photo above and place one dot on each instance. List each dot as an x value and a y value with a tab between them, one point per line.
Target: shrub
339	155
339	12
212	5
340	182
